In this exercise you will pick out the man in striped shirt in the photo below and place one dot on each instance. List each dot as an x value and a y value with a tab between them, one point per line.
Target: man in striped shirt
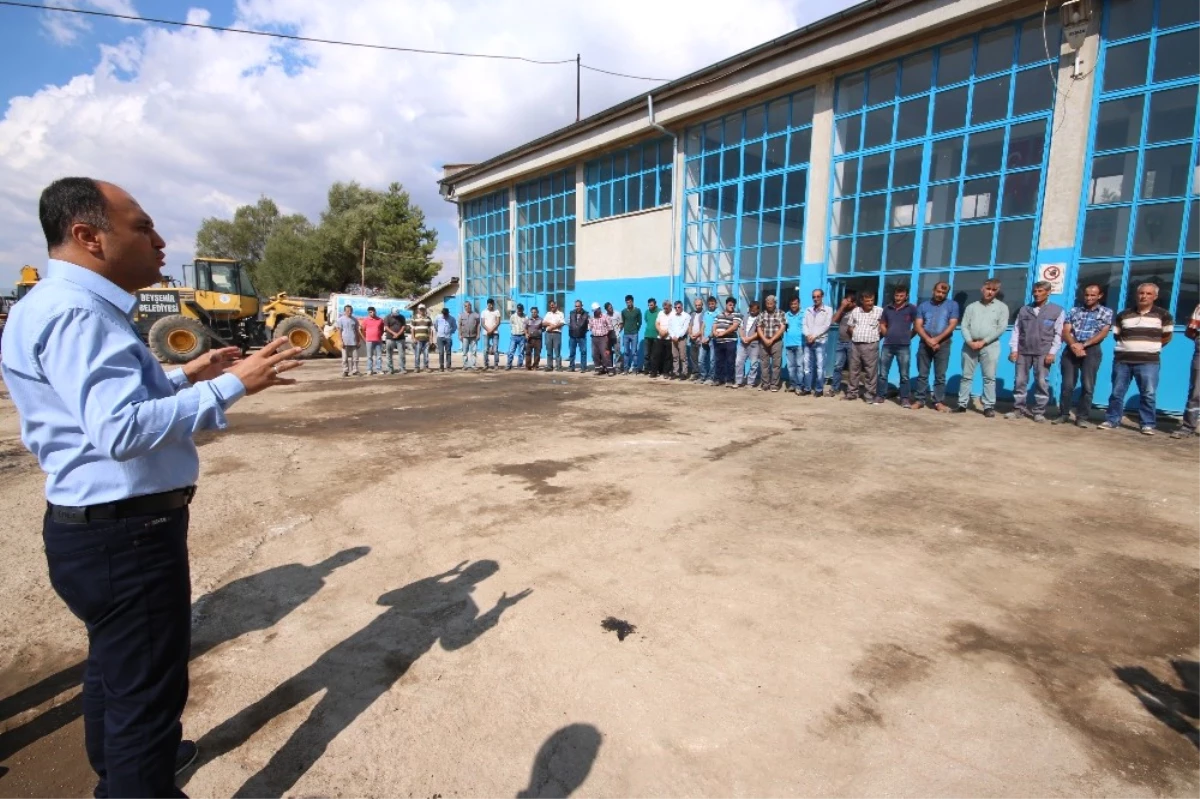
1141	333
1191	412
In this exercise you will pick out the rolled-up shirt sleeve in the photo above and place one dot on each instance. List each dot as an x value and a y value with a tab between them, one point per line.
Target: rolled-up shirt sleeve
110	401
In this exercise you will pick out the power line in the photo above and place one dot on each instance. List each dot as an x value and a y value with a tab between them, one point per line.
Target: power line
314	40
275	35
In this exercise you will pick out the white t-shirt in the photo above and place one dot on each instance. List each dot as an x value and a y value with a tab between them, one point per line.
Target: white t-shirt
490	319
554	319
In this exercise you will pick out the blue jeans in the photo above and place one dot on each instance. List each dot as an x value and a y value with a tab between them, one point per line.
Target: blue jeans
128	582
900	355
421	354
578	343
444	349
629	351
813	368
516	349
792	358
1146	377
374	356
491	349
841	362
708	361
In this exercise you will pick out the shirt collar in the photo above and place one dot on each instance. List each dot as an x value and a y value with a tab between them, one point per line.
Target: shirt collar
93	282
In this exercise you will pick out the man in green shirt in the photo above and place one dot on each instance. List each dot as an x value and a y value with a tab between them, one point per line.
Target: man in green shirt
631	323
982	325
646	356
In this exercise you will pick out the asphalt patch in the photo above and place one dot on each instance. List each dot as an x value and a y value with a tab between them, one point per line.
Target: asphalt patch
621	627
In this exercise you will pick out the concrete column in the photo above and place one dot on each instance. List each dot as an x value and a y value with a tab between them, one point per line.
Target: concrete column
813	272
512	249
678	187
1068	150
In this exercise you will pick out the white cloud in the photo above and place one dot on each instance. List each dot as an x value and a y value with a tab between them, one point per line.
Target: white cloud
65	28
196	122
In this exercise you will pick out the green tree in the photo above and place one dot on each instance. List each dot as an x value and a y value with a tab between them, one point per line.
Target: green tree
244	237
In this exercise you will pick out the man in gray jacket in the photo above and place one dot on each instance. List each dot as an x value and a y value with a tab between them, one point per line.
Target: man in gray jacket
1036	338
468	335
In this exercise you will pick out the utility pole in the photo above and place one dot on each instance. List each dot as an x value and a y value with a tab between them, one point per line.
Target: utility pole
363	269
578	70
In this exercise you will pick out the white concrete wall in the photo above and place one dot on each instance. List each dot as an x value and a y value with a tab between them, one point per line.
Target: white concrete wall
630	246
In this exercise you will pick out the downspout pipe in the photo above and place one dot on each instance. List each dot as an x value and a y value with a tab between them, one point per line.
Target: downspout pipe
675	199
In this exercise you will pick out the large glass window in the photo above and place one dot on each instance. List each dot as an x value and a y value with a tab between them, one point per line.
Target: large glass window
546	234
485	250
939	160
628	180
1143	174
746	185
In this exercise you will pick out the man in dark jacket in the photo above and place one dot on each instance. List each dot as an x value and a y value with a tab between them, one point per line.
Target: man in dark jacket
1036	337
577	332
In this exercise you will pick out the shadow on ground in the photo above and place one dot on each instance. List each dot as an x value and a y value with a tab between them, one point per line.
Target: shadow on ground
1172	706
359	670
248	604
563	762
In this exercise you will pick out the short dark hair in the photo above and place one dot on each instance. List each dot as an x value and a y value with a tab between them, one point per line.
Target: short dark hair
852	293
491	301
629	297
67	201
348	308
370	308
867	294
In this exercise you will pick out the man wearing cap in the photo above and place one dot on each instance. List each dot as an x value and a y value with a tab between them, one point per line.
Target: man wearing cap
600	326
422	330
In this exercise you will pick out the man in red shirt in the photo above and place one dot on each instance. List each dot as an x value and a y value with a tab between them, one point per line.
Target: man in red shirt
373	333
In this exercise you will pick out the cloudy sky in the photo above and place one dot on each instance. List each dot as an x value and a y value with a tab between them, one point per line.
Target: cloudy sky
196	123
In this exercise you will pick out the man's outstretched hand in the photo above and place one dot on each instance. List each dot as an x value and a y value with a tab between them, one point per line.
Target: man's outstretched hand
506	601
264	368
211	364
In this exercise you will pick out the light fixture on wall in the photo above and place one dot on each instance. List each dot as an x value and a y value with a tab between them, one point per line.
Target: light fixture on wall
1075	16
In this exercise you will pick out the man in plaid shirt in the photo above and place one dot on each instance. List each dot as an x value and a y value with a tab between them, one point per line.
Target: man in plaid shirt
1085	327
1191	413
770	330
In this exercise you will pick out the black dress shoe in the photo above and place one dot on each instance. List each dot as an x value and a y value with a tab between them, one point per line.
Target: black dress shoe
185	755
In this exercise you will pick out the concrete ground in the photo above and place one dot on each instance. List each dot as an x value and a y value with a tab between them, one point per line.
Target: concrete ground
400	585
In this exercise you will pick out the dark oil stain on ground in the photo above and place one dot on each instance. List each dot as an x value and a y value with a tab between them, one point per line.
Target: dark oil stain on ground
717	453
622	628
1111	611
536	474
883	668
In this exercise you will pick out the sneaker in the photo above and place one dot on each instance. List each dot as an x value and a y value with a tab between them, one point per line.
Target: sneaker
733	385
850	398
776	388
916	406
1106	425
1039	418
1082	423
1147	430
960	409
708	383
877	401
941	407
1013	415
817	394
1183	432
185	755
989	413
1060	419
345	374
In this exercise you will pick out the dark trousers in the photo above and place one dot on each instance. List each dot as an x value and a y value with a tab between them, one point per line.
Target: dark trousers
654	356
1086	369
128	582
533	352
601	354
726	356
940	360
662	356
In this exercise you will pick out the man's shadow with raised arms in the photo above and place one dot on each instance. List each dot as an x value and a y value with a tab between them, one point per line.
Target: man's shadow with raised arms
360	669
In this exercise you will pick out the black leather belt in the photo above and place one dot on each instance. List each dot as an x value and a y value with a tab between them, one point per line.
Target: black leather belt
123	509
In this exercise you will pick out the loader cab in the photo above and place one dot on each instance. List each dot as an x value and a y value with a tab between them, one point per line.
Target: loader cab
221	277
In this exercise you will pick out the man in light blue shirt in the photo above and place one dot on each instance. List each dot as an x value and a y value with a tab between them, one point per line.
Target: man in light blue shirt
936	320
113	433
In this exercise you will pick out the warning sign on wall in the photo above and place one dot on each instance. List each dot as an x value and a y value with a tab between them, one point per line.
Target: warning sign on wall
1055	275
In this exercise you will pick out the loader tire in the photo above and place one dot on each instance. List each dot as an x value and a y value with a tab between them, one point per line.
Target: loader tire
302	332
178	339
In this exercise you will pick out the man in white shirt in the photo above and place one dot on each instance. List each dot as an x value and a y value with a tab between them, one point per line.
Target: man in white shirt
677	330
552	325
491	332
749	350
866	325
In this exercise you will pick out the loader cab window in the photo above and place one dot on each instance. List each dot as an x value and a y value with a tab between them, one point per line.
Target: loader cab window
225	277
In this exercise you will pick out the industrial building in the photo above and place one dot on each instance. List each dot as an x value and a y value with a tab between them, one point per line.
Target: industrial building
900	142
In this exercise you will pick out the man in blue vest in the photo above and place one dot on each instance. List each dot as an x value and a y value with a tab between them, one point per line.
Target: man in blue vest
1036	337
